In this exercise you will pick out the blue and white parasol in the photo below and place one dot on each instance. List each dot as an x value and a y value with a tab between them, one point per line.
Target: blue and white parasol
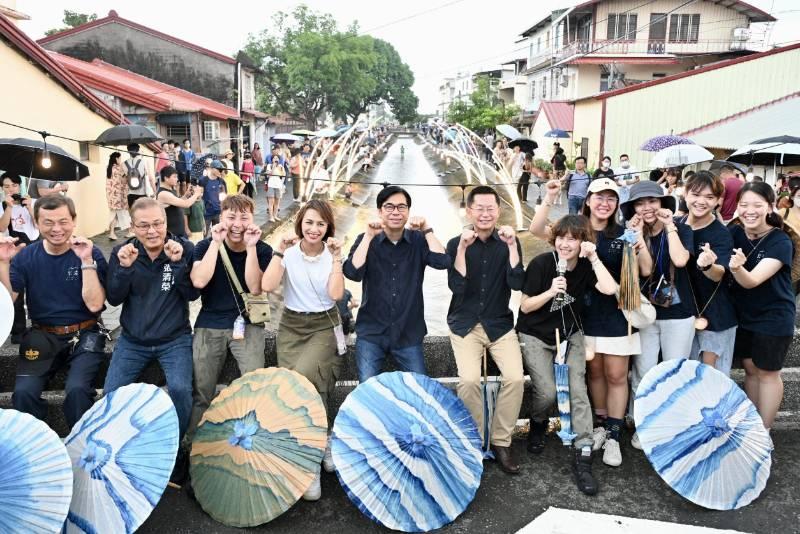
407	452
702	434
122	451
36	477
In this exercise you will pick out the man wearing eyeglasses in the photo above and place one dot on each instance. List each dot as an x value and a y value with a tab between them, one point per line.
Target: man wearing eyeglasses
149	276
390	260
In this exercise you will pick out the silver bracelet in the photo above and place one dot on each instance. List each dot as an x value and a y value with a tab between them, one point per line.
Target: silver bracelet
92	267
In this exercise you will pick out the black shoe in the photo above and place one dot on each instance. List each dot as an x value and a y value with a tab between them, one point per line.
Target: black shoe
582	467
536	437
180	473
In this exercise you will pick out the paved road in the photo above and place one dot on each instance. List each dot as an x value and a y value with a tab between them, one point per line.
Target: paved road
505	504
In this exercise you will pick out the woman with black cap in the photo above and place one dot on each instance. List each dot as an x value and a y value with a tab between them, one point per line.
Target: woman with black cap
667	286
604	325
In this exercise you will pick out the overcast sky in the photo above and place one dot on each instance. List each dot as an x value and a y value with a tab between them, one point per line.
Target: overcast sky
436	38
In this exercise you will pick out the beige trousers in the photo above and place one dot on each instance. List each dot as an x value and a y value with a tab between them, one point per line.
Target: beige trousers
506	353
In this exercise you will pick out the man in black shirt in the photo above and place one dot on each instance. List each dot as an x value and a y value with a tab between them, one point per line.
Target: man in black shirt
487	265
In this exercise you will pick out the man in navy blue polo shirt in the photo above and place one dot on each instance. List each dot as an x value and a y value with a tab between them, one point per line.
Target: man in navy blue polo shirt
213	185
62	276
390	260
149	276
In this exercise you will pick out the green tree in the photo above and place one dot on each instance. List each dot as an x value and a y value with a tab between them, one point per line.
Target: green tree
72	19
484	110
309	67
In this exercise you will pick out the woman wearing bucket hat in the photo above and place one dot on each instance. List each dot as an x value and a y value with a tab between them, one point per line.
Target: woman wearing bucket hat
605	327
667	287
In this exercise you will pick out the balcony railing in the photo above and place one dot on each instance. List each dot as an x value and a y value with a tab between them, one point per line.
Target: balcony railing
646	47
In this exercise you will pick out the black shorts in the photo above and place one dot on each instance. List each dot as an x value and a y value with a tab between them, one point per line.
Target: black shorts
767	352
183	177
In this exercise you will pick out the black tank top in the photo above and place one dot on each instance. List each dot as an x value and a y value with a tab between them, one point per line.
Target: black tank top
176	224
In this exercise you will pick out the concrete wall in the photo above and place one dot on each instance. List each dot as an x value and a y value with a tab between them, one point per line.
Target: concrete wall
588	115
37	101
155	58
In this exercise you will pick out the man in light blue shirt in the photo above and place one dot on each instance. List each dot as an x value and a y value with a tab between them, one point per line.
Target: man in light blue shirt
577	184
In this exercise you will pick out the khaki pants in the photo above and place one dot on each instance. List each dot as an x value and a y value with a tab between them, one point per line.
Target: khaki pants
469	360
539	358
209	350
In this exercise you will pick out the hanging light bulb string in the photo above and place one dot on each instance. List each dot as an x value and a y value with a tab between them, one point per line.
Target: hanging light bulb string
46	163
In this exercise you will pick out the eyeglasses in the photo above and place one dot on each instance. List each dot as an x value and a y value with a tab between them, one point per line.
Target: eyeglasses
158	225
400	208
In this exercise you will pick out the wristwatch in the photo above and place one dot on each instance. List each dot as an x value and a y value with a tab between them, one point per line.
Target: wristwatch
427	231
92	266
704	269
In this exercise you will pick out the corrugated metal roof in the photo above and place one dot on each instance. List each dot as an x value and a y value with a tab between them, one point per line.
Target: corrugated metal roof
756	123
560	115
141	90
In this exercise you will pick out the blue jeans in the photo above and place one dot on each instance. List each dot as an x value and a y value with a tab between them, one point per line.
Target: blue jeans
175	357
370	356
575	204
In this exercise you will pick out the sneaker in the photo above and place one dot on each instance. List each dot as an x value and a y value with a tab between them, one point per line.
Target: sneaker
635	443
327	460
599	436
582	468
611	454
315	491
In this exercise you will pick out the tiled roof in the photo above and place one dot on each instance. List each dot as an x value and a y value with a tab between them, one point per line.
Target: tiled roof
141	90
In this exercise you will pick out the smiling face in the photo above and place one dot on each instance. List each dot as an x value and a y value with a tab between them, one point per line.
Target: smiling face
647	208
701	202
150	227
602	205
56	226
10	188
753	210
394	211
314	227
236	222
567	247
484	212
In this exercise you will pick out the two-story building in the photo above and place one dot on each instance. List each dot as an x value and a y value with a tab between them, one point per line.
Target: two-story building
602	45
160	56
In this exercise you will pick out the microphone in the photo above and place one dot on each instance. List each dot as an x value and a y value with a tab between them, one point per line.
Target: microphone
561	269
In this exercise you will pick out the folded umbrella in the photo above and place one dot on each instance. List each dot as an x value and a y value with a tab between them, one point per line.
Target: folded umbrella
24	157
258	447
702	434
407	452
122	451
124	134
36	478
679	155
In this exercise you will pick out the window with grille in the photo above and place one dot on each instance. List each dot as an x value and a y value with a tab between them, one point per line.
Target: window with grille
684	28
533	90
544	88
603	82
178	131
622	26
210	130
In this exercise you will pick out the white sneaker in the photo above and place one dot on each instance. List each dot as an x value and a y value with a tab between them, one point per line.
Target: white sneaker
635	443
315	491
327	460
598	438
611	454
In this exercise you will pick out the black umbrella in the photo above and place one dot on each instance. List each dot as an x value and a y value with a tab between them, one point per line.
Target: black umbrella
781	150
25	157
199	164
127	133
525	144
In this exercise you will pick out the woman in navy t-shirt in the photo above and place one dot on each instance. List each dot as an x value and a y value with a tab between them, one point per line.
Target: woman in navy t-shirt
605	327
761	265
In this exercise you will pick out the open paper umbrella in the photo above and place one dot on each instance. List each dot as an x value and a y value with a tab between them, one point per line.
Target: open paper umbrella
36	478
6	314
122	451
258	447
702	434
508	131
407	452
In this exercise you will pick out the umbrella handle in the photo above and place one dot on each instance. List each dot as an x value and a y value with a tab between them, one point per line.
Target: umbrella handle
559	358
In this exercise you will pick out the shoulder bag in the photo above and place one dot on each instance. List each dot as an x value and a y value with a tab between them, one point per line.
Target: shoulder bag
256	307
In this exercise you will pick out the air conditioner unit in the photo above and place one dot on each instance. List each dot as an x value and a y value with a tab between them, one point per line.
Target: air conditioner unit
563	80
741	34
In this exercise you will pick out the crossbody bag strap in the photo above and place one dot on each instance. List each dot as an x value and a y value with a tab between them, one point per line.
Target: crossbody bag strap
226	261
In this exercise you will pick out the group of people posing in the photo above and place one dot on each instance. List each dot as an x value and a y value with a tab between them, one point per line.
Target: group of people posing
719	293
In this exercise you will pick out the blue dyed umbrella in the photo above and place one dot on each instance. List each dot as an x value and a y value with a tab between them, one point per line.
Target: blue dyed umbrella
122	451
407	452
490	392
561	373
36	478
557	134
326	132
660	142
702	434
